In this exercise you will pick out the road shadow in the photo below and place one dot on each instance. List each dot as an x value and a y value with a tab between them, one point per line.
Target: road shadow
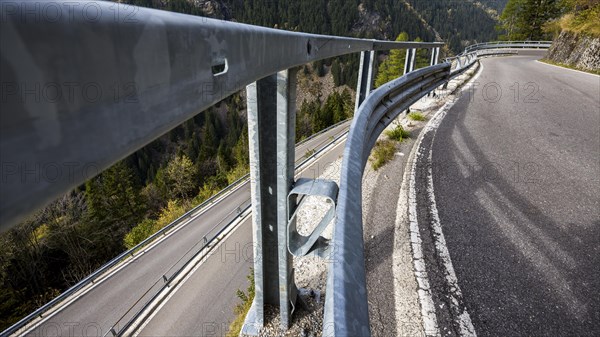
521	272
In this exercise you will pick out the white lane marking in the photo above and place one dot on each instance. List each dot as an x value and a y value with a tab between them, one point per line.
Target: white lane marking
464	321
428	321
565	68
427	306
430	324
190	269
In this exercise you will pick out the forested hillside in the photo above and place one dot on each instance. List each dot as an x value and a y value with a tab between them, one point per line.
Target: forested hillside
545	19
80	231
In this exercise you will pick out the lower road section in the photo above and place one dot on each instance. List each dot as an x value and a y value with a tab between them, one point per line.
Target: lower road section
115	299
203	305
515	167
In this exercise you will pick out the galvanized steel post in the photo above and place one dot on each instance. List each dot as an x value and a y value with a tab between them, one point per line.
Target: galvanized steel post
365	77
407	61
271	133
286	156
435	54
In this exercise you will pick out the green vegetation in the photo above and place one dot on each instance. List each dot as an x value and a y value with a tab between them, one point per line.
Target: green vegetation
541	19
384	150
524	19
314	116
382	153
393	66
241	310
398	133
416	116
581	17
459	23
73	236
149	226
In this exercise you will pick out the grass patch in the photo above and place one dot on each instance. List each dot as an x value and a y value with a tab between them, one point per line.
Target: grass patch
564	65
416	116
309	153
382	153
241	310
398	133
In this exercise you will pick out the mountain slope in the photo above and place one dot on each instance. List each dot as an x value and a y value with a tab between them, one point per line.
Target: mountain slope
458	22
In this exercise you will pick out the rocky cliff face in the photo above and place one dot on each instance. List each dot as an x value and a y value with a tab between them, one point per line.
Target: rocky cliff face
579	51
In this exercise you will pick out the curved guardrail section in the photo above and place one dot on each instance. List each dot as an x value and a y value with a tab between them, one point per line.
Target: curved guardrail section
346	306
461	63
136	76
508	44
152	70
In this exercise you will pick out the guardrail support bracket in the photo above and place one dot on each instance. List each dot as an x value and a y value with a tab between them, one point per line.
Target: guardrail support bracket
300	245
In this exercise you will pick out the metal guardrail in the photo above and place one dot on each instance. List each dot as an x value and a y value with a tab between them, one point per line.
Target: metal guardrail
212	234
508	44
346	306
495	52
207	239
133	76
170	67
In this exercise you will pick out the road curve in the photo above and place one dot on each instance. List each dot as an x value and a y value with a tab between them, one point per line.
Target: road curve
117	298
515	166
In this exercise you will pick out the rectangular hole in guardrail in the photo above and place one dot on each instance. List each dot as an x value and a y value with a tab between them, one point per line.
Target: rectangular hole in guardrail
220	67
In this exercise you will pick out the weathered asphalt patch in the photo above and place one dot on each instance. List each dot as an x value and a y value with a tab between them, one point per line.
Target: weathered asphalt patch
443	312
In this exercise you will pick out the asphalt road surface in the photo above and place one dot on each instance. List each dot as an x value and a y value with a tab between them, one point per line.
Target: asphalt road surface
116	299
516	174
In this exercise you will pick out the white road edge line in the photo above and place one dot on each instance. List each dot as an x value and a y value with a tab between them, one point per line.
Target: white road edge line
428	317
138	325
428	312
464	320
34	324
565	68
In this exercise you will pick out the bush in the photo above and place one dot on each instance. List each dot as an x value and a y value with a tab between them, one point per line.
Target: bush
382	153
138	233
583	21
398	133
148	226
416	116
